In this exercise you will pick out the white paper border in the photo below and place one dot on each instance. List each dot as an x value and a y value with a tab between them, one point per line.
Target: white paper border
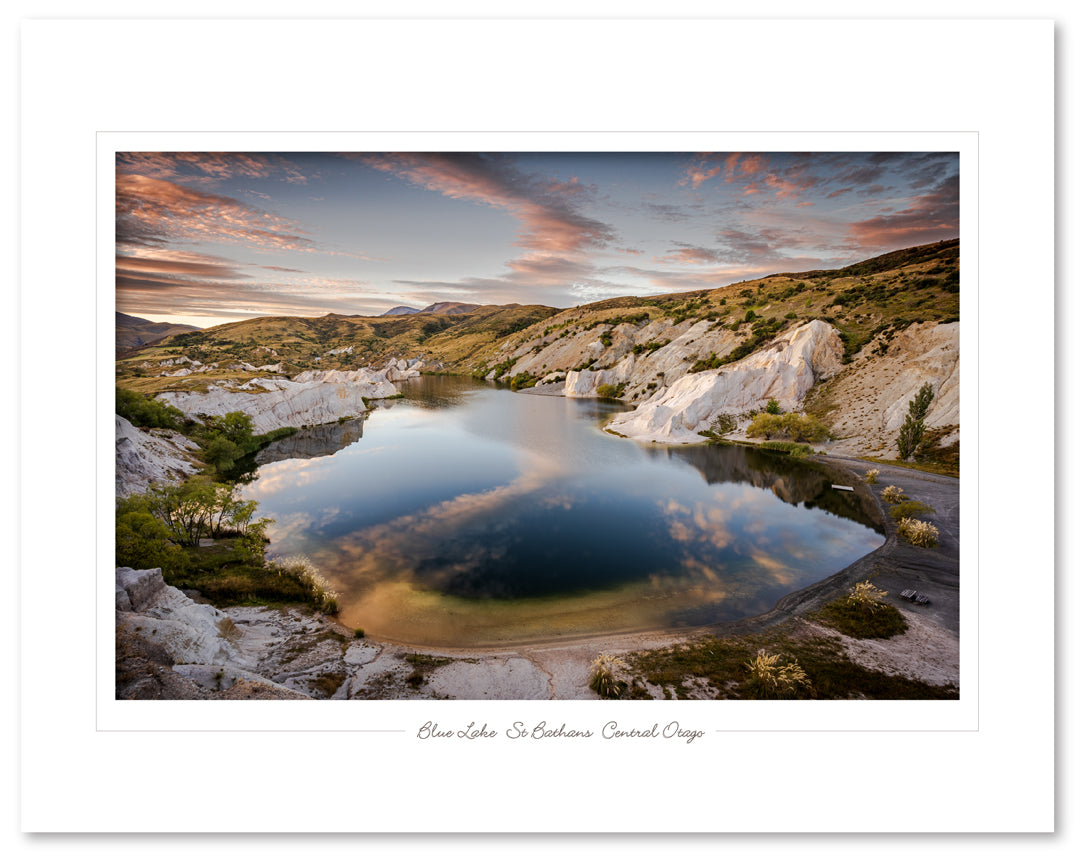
62	118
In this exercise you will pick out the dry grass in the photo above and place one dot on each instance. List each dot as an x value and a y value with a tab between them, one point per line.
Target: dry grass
771	679
918	532
892	494
605	678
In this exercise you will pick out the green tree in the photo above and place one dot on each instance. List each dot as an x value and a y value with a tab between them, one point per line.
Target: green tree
252	543
142	541
913	428
221	453
186	510
773	407
237	427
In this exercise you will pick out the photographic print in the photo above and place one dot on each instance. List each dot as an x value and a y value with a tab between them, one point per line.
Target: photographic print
537	425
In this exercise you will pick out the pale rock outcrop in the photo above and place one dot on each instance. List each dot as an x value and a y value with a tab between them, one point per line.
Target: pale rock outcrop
665	352
785	369
312	398
583	384
191	633
144	458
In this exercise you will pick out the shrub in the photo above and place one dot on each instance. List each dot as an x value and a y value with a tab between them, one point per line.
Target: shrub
769	679
606	390
605	679
893	494
147	412
793	426
918	532
773	407
705	364
872	476
909	508
524	380
724	424
143	541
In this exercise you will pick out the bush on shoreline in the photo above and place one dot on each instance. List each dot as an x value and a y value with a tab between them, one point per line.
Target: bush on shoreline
800	428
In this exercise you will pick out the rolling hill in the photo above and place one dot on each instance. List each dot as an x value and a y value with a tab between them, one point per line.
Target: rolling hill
136	332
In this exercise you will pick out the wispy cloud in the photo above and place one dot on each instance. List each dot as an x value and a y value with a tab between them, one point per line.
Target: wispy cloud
691	254
199	167
153	211
548	210
928	218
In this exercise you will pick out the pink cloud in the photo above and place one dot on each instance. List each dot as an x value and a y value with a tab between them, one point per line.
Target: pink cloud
689	254
152	211
207	166
546	209
929	218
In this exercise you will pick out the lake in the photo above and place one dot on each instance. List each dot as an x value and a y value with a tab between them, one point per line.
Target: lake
467	515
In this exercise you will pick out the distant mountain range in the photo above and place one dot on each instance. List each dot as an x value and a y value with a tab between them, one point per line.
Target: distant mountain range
136	332
437	308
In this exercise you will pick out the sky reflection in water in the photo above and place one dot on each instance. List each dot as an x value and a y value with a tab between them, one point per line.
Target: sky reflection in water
469	515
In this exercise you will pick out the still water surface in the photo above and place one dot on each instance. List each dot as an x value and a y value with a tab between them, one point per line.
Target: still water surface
470	515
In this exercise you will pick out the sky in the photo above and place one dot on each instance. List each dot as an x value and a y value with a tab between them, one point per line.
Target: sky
209	238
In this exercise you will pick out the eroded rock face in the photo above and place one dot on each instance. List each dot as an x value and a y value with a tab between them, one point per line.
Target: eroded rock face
144	458
785	370
665	351
313	398
873	392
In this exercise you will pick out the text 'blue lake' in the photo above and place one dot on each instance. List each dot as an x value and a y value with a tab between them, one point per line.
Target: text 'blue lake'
469	515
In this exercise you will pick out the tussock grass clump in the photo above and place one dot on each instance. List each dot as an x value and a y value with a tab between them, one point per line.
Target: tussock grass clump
864	613
866	595
872	476
605	676
918	532
892	494
301	569
228	630
770	679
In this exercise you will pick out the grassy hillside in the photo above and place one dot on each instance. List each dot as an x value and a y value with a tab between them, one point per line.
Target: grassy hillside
877	296
873	297
302	343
